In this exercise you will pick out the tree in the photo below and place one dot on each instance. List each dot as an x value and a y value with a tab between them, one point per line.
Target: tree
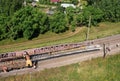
44	1
8	7
73	25
58	23
71	17
29	1
28	32
28	22
110	8
74	2
96	16
70	13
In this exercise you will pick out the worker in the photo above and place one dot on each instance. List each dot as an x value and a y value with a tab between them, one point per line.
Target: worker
5	69
117	45
28	61
35	64
108	49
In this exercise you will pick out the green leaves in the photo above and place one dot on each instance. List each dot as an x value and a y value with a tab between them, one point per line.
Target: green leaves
28	22
58	23
95	13
44	1
74	2
110	8
28	33
8	7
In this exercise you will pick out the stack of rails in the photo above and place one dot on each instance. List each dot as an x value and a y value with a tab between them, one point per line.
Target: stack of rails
13	60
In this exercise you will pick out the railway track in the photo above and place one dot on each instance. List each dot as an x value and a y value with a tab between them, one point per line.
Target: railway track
109	41
106	40
57	62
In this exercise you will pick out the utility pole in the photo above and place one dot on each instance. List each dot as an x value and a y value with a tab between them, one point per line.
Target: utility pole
88	28
30	76
104	50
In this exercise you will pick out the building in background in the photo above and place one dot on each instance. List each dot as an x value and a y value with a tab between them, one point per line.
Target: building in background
65	5
36	0
55	1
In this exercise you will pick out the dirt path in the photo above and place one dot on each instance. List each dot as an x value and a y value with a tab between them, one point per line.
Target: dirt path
38	41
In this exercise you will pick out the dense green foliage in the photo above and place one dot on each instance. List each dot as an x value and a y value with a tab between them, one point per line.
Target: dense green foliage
95	13
58	23
44	1
32	21
95	70
111	9
74	1
28	1
8	7
50	38
29	21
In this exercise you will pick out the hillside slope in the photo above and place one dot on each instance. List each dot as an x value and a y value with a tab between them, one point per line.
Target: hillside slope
104	29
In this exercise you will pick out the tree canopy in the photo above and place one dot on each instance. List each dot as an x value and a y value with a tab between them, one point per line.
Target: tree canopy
58	23
27	22
18	21
111	9
8	7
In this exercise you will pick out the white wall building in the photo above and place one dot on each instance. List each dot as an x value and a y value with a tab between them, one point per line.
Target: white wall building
36	0
65	5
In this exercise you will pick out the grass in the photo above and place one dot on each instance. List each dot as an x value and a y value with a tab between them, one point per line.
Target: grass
95	70
104	29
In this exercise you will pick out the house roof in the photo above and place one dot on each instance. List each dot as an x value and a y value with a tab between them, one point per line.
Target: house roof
55	0
65	5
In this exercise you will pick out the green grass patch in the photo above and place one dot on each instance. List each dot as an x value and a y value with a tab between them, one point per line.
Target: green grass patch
103	30
95	70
